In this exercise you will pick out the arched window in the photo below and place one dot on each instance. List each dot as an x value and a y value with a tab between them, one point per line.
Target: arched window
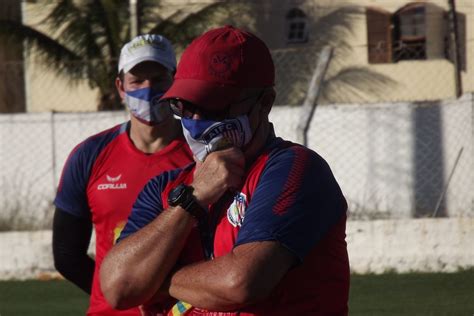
410	32
297	26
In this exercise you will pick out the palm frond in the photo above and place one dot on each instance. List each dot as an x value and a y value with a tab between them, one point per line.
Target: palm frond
355	81
335	27
62	12
93	31
111	15
44	48
183	30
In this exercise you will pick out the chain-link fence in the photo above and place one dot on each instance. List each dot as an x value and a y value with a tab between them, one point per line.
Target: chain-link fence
392	160
397	151
44	91
396	160
33	149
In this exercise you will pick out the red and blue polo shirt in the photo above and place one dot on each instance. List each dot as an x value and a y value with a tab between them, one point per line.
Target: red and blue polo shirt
101	180
290	196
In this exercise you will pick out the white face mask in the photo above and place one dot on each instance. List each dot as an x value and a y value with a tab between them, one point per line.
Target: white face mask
143	104
206	136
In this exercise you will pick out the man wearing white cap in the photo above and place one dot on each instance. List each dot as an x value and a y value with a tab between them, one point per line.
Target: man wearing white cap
104	174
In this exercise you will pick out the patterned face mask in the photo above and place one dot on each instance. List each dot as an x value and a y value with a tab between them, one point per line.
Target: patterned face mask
206	136
143	104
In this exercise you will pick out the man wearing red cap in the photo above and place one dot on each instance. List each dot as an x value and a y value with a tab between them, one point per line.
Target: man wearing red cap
256	226
104	174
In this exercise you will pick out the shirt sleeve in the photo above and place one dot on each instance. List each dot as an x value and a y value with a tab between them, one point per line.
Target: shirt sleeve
147	207
296	201
149	203
71	195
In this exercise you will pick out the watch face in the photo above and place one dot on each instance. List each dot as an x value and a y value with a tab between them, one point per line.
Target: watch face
175	196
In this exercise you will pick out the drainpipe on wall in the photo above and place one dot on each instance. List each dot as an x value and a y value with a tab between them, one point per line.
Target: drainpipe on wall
454	38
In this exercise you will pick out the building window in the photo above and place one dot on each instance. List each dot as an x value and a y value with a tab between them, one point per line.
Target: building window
410	33
297	26
397	36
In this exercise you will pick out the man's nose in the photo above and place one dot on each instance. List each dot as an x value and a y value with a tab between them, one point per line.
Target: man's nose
196	116
148	83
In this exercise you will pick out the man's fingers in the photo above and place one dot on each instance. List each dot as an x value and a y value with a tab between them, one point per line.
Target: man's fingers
230	154
221	171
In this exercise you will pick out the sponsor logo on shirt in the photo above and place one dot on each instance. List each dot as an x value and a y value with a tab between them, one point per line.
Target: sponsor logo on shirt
113	179
113	184
236	211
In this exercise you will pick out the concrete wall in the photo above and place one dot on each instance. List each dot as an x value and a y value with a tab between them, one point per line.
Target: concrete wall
395	160
33	149
423	245
392	160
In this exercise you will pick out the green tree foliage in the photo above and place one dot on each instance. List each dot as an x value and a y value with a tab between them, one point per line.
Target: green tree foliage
81	40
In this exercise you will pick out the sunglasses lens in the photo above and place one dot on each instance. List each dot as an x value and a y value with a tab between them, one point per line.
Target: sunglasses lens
185	109
177	107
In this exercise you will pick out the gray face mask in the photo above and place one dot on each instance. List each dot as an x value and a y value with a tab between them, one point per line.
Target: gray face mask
206	136
143	104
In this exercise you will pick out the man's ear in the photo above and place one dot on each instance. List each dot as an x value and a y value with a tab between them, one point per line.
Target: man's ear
120	88
267	101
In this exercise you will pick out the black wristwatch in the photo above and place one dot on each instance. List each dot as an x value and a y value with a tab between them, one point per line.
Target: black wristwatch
183	196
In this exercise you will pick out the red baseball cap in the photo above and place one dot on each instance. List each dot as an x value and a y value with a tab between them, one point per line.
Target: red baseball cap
218	65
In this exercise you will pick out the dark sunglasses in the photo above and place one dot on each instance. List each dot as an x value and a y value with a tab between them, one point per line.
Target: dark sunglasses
186	109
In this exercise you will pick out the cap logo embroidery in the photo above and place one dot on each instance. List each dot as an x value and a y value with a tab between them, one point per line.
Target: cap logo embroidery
145	41
220	64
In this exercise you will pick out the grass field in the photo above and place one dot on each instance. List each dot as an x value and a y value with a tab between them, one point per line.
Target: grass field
388	294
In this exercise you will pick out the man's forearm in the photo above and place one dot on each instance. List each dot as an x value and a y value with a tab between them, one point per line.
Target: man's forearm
242	277
205	285
71	237
135	268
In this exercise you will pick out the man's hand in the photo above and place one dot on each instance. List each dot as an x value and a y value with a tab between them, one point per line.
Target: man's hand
222	171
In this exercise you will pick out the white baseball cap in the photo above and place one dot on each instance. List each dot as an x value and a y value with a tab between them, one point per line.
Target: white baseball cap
149	47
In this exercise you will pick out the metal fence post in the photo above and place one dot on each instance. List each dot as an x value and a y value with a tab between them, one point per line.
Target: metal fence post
133	19
53	149
314	89
471	97
454	38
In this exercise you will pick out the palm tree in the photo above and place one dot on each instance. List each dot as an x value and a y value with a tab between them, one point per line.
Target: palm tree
85	37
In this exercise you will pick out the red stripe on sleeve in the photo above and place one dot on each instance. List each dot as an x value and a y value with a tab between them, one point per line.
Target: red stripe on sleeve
293	183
